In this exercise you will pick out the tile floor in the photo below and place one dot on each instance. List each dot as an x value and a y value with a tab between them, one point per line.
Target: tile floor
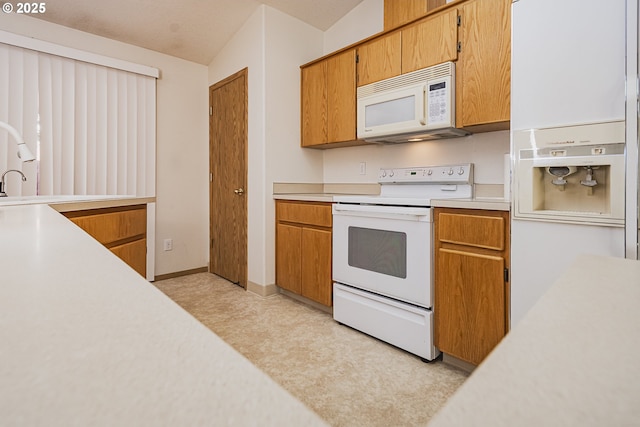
346	377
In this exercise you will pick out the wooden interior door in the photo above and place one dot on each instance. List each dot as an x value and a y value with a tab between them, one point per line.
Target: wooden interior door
228	186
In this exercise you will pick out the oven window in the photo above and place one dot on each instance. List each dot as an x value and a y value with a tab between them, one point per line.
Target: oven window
381	251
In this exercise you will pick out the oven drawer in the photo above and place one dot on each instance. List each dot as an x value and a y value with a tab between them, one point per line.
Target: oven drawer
402	325
310	213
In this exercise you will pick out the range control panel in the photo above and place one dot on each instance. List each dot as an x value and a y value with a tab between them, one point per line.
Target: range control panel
454	174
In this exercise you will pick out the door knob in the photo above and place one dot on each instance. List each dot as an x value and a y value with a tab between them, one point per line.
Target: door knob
239	191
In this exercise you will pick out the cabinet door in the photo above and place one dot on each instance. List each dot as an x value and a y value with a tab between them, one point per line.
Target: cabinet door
431	41
341	97
316	265
469	306
379	59
288	257
484	67
399	12
313	114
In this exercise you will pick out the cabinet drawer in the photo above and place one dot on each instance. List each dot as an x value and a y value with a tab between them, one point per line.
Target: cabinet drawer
109	226
133	253
472	230
318	214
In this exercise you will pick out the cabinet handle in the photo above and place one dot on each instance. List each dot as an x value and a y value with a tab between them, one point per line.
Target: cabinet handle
239	191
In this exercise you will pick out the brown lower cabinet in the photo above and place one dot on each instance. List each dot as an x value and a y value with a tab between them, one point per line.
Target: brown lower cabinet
303	249
122	230
471	281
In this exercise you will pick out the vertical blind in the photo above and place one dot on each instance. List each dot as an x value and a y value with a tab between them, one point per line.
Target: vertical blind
92	127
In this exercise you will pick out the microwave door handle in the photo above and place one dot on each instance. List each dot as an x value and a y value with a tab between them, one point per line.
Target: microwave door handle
422	106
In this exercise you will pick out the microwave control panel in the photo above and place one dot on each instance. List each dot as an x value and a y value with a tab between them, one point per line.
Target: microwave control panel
439	101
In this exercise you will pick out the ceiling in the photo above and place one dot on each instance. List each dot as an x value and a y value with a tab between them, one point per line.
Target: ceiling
195	30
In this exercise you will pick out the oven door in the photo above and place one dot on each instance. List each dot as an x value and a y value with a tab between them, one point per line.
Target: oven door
385	250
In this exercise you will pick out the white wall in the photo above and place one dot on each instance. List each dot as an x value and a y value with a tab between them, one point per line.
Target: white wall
289	43
364	20
272	46
485	150
182	139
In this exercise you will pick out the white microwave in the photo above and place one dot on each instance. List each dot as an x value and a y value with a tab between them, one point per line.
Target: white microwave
416	106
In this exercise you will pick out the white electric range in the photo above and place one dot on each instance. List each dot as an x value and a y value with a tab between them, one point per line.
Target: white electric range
382	254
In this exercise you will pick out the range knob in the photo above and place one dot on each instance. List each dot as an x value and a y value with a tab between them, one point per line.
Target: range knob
383	174
450	171
391	173
429	172
461	171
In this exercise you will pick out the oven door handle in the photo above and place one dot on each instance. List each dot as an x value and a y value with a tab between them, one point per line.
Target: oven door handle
385	212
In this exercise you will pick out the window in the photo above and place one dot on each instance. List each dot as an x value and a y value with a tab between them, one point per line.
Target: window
91	126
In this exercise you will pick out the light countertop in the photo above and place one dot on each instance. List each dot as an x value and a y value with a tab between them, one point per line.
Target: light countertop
87	341
75	202
487	203
327	192
307	197
571	361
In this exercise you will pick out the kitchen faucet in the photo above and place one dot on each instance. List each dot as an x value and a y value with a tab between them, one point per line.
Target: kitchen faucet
3	185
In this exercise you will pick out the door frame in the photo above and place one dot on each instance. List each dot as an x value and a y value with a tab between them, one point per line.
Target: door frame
243	273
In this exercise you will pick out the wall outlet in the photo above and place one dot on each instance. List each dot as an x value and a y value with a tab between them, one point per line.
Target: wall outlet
168	244
363	168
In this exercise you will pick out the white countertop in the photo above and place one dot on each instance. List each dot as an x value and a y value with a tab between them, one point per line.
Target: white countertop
307	197
487	203
327	193
34	200
572	361
86	341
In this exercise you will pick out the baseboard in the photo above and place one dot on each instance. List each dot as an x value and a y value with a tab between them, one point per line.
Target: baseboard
263	291
458	363
181	273
306	301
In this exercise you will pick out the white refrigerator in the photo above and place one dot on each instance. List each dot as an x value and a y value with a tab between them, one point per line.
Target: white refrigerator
568	68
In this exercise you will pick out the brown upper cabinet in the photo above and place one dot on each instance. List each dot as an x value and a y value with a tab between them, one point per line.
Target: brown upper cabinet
380	58
328	101
428	42
483	71
313	114
474	34
431	41
400	12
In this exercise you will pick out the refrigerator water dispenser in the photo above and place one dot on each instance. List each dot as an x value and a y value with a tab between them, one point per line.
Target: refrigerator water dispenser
570	174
